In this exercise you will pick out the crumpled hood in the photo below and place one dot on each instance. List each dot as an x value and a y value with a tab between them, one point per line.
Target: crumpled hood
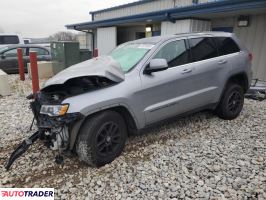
104	66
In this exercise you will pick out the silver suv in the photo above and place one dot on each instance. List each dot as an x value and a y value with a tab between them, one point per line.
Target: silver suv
91	108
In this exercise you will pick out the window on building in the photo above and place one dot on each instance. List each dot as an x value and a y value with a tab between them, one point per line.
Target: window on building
39	51
175	53
202	49
226	45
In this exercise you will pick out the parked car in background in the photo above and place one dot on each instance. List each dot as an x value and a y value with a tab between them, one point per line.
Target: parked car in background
46	45
9	59
7	39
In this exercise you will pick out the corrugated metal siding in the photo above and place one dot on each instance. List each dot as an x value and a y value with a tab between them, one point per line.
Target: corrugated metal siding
181	26
156	5
200	25
185	26
106	39
254	38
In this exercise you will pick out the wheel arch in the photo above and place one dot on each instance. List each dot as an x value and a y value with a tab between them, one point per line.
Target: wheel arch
239	78
128	116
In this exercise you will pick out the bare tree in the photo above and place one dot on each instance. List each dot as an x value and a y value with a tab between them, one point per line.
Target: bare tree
63	36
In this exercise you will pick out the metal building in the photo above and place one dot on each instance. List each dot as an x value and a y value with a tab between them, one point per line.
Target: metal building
246	18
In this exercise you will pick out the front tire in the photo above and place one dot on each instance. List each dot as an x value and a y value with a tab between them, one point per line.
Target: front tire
231	103
101	139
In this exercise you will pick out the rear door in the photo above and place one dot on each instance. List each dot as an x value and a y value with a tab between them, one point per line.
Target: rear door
230	51
208	68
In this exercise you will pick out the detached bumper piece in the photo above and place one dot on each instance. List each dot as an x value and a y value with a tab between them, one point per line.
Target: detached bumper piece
257	91
55	131
22	148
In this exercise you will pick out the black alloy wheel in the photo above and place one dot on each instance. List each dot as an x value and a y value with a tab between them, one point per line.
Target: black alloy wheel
231	102
101	138
234	102
108	138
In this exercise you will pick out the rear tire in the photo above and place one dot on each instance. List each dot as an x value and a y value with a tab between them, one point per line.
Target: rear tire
101	139
231	103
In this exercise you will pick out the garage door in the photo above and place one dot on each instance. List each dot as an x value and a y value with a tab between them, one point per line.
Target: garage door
106	39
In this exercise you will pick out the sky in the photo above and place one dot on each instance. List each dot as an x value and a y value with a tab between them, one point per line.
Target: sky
42	18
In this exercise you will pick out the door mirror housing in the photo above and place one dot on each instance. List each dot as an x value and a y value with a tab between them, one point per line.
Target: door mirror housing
3	56
156	65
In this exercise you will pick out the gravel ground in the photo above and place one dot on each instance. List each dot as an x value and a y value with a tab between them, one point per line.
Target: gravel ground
197	157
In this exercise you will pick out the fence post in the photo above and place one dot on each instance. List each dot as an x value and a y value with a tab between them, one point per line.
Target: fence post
21	64
34	72
95	53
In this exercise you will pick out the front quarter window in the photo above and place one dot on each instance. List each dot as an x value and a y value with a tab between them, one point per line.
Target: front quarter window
175	53
128	55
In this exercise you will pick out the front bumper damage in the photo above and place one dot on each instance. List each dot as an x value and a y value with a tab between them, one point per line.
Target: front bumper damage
54	131
22	148
59	133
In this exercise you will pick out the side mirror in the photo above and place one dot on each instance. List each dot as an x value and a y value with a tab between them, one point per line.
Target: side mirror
156	65
3	56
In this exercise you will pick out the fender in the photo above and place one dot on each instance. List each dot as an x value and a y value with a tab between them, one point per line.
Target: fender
74	130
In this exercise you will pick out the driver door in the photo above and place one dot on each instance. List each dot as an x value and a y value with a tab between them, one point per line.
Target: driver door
9	60
163	92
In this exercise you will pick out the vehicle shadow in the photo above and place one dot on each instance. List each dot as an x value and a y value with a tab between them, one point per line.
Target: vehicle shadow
171	128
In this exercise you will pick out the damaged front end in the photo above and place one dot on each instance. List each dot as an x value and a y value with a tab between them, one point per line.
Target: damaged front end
56	126
53	121
50	113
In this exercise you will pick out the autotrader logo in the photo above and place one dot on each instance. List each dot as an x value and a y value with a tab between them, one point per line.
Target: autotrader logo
27	193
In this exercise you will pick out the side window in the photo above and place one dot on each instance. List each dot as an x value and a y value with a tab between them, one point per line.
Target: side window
9	39
175	53
226	45
10	53
39	51
202	48
13	53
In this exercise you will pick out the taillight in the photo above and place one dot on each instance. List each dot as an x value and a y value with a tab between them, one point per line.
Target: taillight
250	57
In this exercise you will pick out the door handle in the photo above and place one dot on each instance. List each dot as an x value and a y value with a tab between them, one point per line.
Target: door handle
185	71
222	62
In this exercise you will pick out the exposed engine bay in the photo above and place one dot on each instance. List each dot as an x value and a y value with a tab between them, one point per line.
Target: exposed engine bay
55	130
54	123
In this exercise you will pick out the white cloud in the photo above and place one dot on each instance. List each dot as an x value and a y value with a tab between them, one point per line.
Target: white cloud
38	18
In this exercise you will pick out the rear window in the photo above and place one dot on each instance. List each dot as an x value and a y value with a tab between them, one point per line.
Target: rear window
39	51
226	45
203	48
9	39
